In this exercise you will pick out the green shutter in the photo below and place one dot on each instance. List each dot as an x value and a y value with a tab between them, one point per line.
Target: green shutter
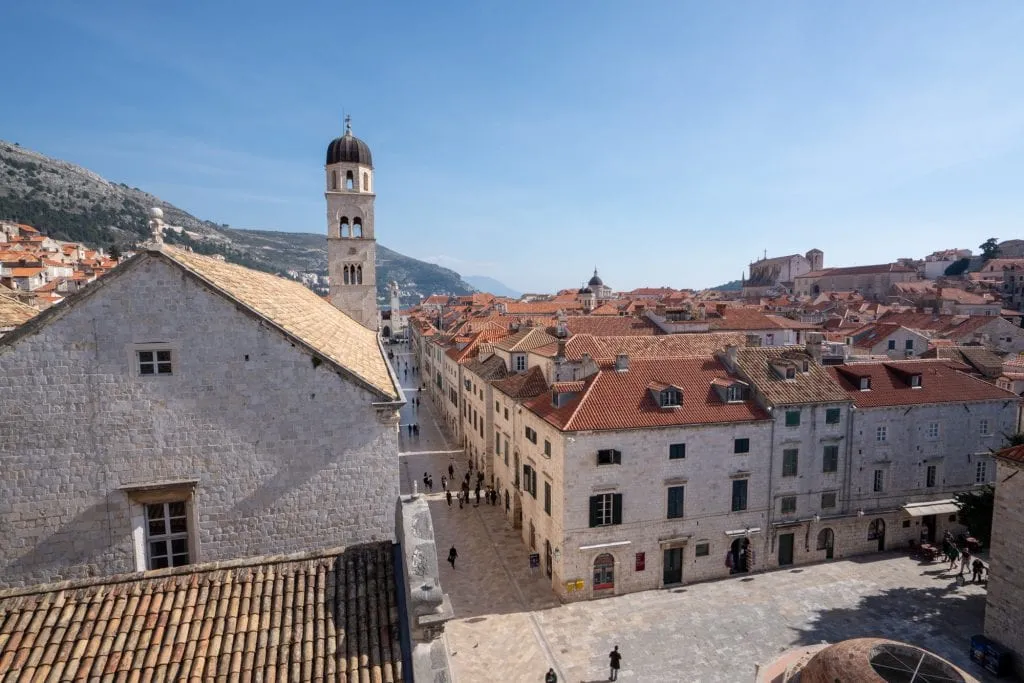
616	508
593	510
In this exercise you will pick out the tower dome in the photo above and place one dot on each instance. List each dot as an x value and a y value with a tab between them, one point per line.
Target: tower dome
349	149
595	281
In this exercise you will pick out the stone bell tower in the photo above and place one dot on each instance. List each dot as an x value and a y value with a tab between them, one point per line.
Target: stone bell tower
351	247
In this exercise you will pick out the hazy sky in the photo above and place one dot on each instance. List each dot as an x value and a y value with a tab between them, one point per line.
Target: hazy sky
668	143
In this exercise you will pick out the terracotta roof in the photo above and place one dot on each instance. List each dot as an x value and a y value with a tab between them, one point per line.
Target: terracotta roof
490	369
622	400
1013	454
525	340
436	299
739	318
25	272
858	270
316	617
813	386
523	385
538	307
608	326
569	387
646	346
605	309
942	381
952	326
13	312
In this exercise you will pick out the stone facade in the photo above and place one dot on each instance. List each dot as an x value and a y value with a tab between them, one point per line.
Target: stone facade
273	450
1004	609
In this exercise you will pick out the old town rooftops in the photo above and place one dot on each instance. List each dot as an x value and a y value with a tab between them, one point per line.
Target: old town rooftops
809	384
1013	454
289	306
893	383
522	385
13	312
289	617
524	340
645	346
625	399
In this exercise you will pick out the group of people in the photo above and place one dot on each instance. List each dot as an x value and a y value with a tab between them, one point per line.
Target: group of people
413	428
954	551
614	661
489	495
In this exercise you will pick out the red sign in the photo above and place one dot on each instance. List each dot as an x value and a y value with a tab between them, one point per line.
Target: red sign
641	561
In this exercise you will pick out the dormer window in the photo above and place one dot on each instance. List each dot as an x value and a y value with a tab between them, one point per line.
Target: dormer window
734	393
865	383
915	381
671	398
790	373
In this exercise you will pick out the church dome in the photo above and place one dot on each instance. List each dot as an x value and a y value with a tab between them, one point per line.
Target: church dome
595	281
348	149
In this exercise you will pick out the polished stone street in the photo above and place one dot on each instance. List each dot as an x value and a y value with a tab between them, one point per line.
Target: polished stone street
508	625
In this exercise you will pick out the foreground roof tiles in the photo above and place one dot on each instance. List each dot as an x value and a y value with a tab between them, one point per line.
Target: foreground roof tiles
608	326
813	386
622	400
523	385
331	616
13	312
941	381
1014	454
646	346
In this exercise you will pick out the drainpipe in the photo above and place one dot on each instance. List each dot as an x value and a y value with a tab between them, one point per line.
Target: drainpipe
848	483
770	517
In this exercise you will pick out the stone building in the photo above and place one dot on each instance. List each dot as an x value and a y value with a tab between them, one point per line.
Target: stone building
1004	609
351	247
777	274
182	410
873	282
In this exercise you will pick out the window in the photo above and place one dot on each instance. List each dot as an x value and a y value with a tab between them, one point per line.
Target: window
520	361
741	446
530	480
909	345
677	451
497	407
531	435
506	413
506	451
604	572
702	549
155	362
881	433
832	416
981	472
606	509
670	398
828	500
879	482
789	462
982	426
675	502
734	393
547	497
788	504
790	373
892	344
932	431
739	495
792	418
865	384
930	475
915	381
166	535
547	448
609	456
830	459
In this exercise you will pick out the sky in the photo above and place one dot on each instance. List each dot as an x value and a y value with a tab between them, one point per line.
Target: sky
666	143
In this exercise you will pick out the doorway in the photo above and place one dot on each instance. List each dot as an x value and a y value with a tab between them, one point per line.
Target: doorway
826	542
928	527
547	558
876	532
672	571
738	559
785	549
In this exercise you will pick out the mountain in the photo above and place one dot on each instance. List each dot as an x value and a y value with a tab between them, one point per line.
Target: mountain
732	286
491	286
68	202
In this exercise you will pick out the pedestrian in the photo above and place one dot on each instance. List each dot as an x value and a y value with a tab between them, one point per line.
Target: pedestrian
460	500
451	471
444	482
407	373
477	496
977	567
479	476
954	553
551	676
965	560
430	484
465	480
452	554
416	429
409	427
614	658
426	481
448	496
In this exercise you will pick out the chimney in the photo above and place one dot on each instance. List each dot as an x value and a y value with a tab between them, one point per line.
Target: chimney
621	363
720	309
730	355
560	355
814	340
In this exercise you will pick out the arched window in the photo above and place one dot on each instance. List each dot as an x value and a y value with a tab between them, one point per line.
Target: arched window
334	180
366	182
876	529
357	227
350	181
344	226
604	572
346	274
359	275
825	539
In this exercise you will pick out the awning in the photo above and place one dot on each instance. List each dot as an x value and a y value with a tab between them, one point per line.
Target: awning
676	542
743	532
613	544
935	507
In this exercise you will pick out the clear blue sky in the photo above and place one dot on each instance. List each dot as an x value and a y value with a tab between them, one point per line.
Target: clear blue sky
668	143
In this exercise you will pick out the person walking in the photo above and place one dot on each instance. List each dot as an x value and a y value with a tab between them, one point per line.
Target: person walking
551	676
426	482
965	561
430	484
444	482
451	471
977	568
460	500
448	496
478	496
614	659
452	554
953	555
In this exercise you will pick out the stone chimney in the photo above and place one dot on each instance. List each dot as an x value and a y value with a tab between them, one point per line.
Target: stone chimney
621	363
731	351
560	354
814	340
720	309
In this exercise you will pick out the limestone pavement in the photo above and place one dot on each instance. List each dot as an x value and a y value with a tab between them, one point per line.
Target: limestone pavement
509	626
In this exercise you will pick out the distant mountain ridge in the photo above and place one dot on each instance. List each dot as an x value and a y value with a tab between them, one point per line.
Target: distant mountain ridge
69	202
491	286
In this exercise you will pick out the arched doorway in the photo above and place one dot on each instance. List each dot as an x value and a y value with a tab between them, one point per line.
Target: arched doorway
738	559
876	532
517	511
547	558
386	332
826	542
604	572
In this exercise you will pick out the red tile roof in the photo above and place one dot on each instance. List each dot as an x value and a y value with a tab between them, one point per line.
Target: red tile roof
942	381
1013	454
609	326
622	400
859	270
523	385
646	346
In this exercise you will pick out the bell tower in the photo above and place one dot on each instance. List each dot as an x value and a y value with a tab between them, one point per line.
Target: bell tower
351	247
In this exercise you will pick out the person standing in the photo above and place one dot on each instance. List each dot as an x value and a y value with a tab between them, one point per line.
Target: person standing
551	676
426	481
953	555
448	496
452	554
451	471
444	482
430	484
614	658
478	495
977	567
965	560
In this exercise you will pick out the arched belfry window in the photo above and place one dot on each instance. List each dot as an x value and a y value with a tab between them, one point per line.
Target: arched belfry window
343	226
357	227
334	180
345	269
366	181
359	275
350	181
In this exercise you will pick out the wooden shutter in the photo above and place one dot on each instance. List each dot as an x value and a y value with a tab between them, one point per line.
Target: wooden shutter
616	508
617	457
593	510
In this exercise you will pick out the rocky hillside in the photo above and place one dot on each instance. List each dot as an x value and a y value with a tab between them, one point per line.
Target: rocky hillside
69	202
